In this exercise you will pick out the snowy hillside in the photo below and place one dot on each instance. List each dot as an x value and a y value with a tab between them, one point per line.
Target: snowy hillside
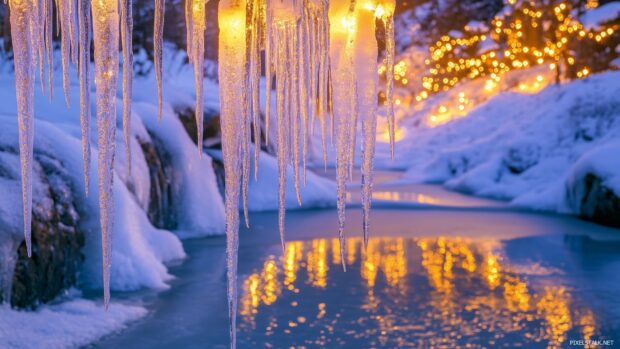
532	149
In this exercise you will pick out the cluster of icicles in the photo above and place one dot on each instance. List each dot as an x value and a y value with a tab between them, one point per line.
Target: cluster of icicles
320	54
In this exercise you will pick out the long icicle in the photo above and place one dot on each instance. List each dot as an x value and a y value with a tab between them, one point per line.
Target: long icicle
106	34
294	56
246	100
67	28
198	25
365	65
255	74
20	17
127	47
269	56
49	46
232	55
342	29
158	46
388	22
84	73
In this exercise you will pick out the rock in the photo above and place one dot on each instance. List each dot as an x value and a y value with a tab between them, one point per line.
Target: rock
56	240
161	210
211	126
595	201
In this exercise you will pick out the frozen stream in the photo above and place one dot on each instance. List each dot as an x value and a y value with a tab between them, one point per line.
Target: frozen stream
442	269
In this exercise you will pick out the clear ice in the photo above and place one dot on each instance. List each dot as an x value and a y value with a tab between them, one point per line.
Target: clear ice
106	24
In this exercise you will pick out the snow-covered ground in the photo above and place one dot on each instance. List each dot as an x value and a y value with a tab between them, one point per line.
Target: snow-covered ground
529	148
70	324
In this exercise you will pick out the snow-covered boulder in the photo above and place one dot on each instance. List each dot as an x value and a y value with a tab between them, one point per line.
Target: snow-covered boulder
57	241
593	185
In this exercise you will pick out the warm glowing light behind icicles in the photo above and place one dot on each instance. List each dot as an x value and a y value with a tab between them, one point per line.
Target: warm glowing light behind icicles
106	38
232	58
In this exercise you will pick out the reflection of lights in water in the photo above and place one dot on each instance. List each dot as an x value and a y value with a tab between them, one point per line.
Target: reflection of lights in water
516	295
491	271
403	196
554	307
394	306
271	285
335	243
317	266
352	250
292	258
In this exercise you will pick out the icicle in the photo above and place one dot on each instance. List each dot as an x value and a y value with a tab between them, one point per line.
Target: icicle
256	32
365	66
294	56
126	43
269	57
342	32
232	55
37	35
304	80
49	47
386	13
106	35
158	43
65	14
21	20
198	24
324	81
282	31
246	100
84	72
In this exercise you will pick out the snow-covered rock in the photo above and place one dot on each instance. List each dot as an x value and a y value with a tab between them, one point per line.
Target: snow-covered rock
593	185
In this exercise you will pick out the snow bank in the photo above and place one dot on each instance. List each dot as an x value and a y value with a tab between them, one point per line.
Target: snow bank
518	147
317	192
139	250
67	325
200	208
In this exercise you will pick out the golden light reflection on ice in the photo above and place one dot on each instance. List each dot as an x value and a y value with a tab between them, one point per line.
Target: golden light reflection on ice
425	291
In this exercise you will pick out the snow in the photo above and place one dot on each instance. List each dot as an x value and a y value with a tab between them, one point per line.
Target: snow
476	26
517	146
487	45
71	324
317	192
593	19
196	179
139	249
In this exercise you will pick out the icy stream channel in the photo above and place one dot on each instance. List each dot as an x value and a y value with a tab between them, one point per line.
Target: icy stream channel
454	273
